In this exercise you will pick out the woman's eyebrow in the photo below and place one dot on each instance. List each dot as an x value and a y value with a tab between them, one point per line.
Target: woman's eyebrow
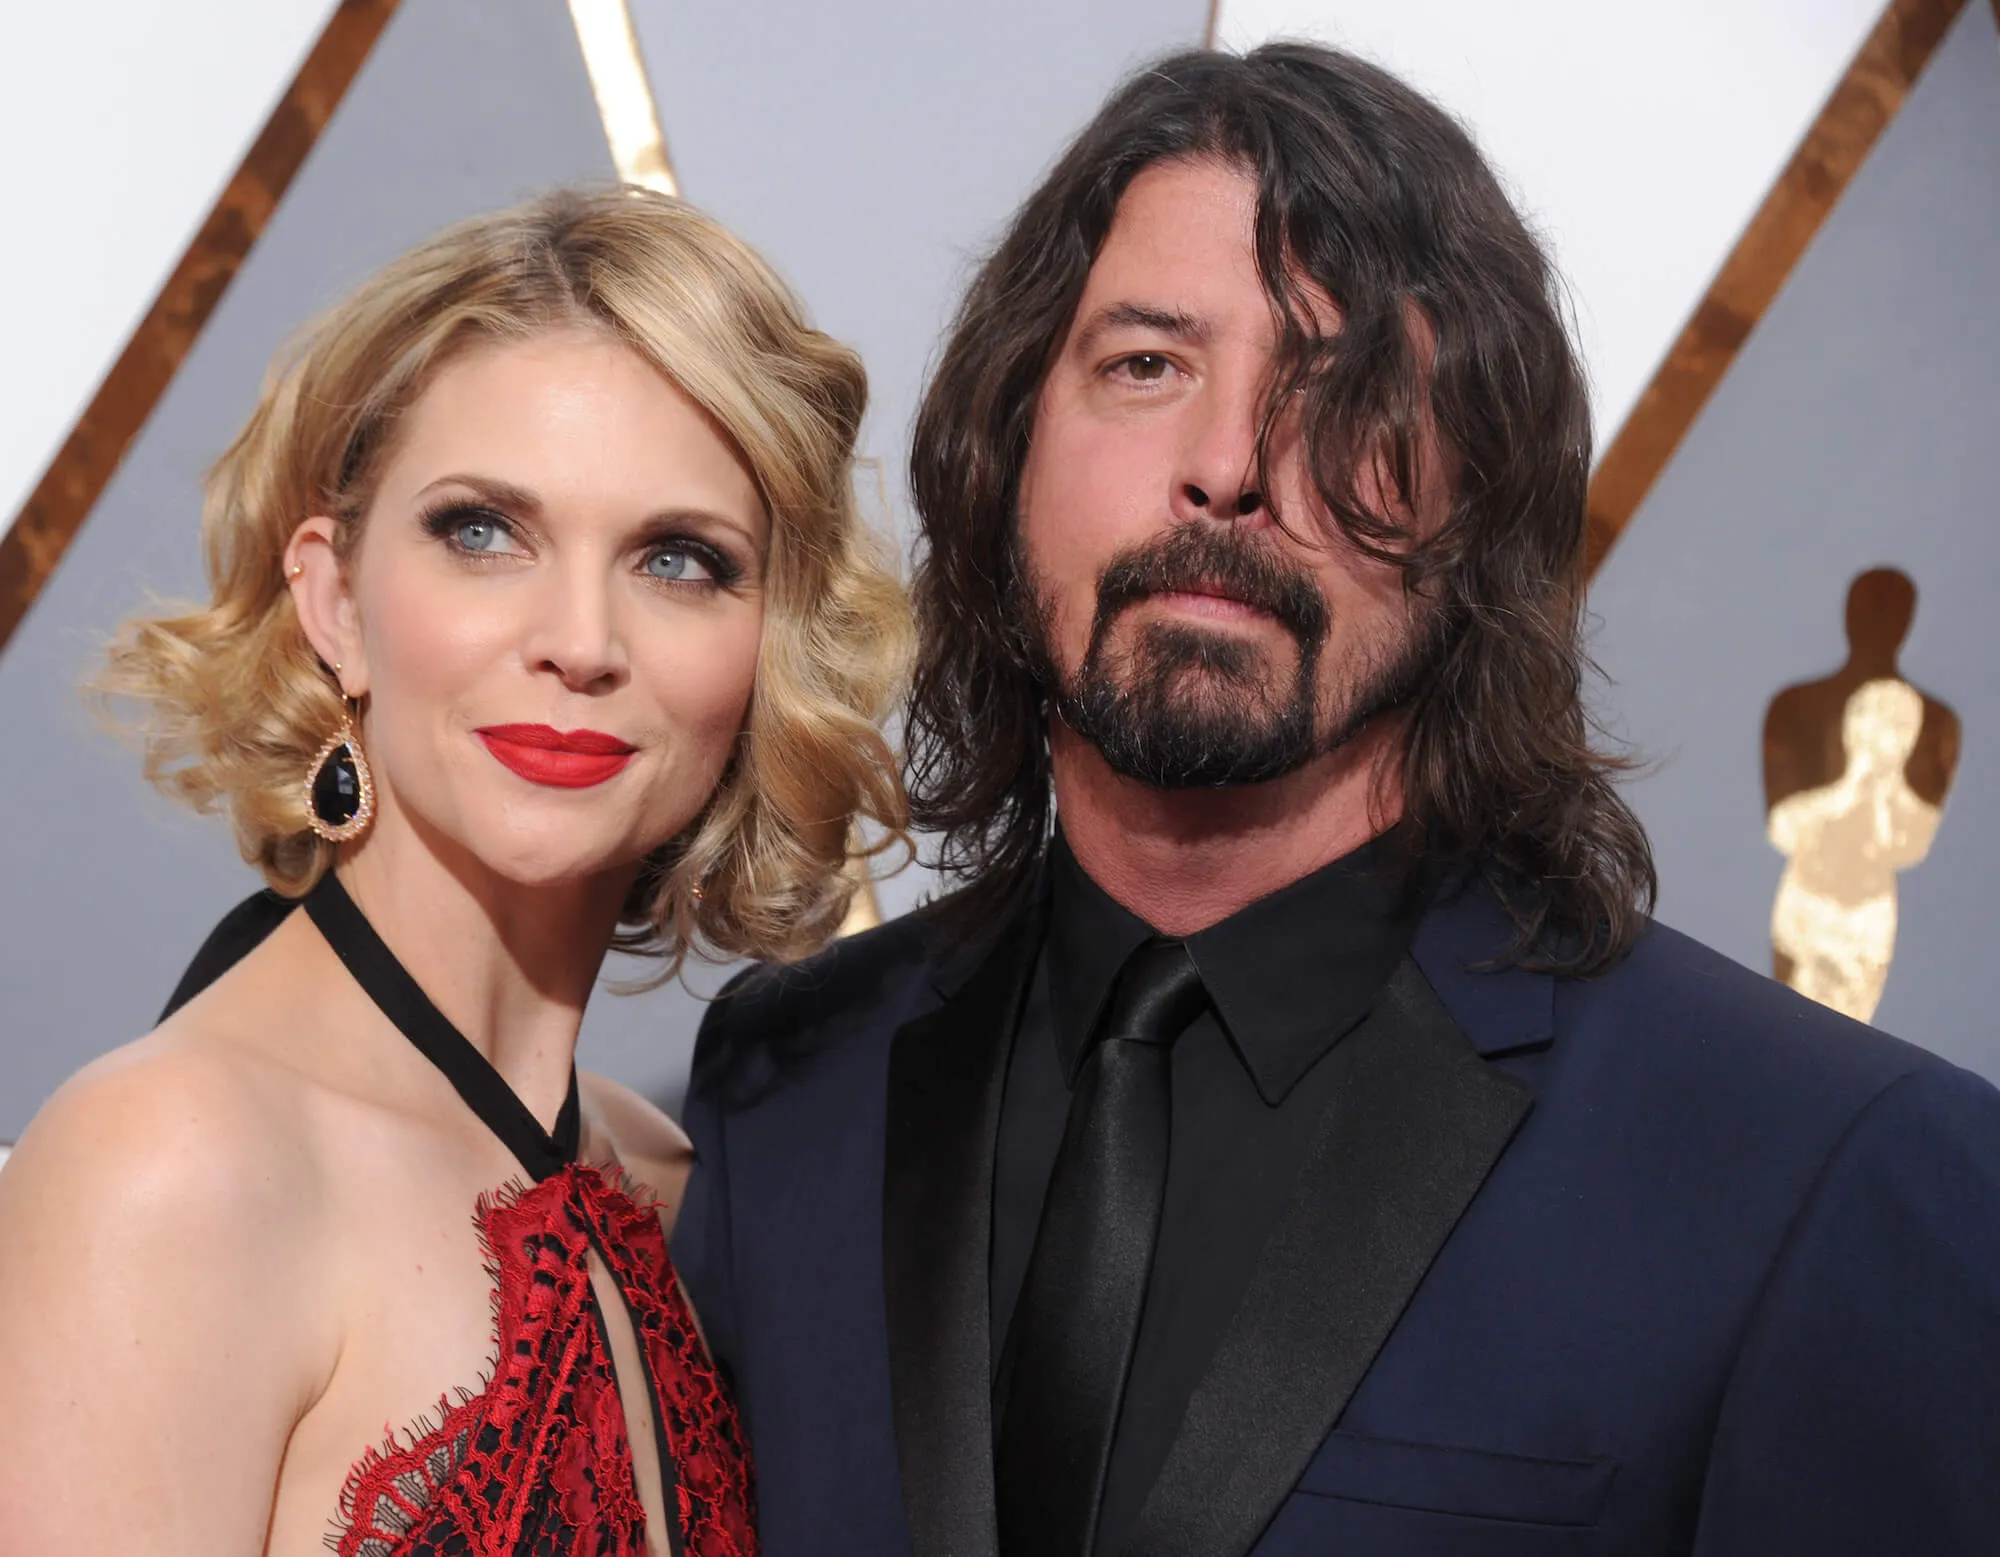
668	521
676	518
491	489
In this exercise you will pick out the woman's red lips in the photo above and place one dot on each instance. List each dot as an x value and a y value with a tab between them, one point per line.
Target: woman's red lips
541	737
563	759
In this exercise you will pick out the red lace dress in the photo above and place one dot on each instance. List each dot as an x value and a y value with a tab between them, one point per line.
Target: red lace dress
539	1463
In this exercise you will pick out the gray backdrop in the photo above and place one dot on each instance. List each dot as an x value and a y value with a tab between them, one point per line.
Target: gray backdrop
869	148
1860	426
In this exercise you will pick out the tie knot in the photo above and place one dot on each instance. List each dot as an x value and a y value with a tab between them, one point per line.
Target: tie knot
1157	995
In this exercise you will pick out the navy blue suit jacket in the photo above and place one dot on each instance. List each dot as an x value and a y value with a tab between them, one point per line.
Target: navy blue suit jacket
1664	1261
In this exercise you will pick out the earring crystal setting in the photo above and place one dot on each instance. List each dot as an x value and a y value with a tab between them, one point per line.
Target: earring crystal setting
339	789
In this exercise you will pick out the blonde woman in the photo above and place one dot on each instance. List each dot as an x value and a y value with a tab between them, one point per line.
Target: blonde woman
543	621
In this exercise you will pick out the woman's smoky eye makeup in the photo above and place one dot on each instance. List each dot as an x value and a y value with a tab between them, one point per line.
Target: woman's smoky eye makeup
472	529
673	556
477	531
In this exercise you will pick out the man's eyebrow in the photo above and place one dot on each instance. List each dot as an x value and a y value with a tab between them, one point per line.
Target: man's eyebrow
1143	316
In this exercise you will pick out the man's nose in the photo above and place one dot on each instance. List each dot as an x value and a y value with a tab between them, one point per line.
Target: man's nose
1218	476
575	635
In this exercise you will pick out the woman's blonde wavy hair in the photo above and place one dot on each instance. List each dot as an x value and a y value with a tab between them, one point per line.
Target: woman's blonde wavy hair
235	703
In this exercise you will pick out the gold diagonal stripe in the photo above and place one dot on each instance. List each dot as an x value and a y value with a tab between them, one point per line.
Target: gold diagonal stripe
90	455
1859	109
624	95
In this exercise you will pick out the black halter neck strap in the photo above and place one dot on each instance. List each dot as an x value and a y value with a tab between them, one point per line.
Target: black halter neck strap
390	986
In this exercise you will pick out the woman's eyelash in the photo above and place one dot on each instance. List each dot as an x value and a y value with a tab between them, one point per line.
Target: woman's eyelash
446	520
723	569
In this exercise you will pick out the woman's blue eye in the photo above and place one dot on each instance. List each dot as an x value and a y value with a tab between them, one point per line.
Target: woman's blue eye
480	535
677	566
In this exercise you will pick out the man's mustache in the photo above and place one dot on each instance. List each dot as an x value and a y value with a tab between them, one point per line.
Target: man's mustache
1209	559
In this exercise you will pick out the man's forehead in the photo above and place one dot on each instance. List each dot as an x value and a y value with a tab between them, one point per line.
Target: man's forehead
1181	257
1181	217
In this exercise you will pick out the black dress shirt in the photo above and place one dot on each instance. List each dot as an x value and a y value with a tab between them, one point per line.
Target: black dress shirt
1287	978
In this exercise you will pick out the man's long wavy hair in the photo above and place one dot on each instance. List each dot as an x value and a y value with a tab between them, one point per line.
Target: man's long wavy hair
1372	193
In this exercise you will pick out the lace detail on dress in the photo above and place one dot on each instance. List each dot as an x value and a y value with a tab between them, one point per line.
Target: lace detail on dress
538	1463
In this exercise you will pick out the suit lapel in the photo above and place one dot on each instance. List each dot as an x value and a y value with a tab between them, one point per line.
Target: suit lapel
947	1072
1399	1156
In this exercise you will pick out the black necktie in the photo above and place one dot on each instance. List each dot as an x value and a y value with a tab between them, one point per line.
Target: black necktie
1070	1341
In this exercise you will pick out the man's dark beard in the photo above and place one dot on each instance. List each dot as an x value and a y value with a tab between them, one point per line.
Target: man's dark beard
1186	707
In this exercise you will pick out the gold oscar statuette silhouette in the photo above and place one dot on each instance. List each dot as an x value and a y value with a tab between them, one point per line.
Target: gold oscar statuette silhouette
1856	768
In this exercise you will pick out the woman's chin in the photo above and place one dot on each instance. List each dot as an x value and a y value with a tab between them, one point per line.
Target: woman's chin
561	869
529	851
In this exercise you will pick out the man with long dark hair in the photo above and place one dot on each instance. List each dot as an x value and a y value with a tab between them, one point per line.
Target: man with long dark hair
1293	1135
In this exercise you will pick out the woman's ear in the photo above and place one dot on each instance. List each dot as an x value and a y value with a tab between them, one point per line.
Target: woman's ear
318	582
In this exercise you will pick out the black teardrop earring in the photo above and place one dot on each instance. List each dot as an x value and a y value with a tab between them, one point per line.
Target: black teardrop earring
340	791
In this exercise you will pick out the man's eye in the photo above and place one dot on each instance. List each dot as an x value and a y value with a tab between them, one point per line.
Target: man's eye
677	565
1146	368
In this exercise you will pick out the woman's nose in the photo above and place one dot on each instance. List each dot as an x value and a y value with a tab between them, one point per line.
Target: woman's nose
576	635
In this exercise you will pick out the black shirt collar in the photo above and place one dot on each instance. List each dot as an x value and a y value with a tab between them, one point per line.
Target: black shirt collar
1290	975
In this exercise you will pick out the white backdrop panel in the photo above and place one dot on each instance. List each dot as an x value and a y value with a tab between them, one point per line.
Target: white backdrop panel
121	122
1638	137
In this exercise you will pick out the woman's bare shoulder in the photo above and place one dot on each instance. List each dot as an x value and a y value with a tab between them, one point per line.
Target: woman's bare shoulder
200	1128
167	1127
653	1149
163	1310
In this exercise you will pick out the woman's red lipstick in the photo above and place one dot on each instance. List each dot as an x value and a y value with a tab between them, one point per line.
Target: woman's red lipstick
562	759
